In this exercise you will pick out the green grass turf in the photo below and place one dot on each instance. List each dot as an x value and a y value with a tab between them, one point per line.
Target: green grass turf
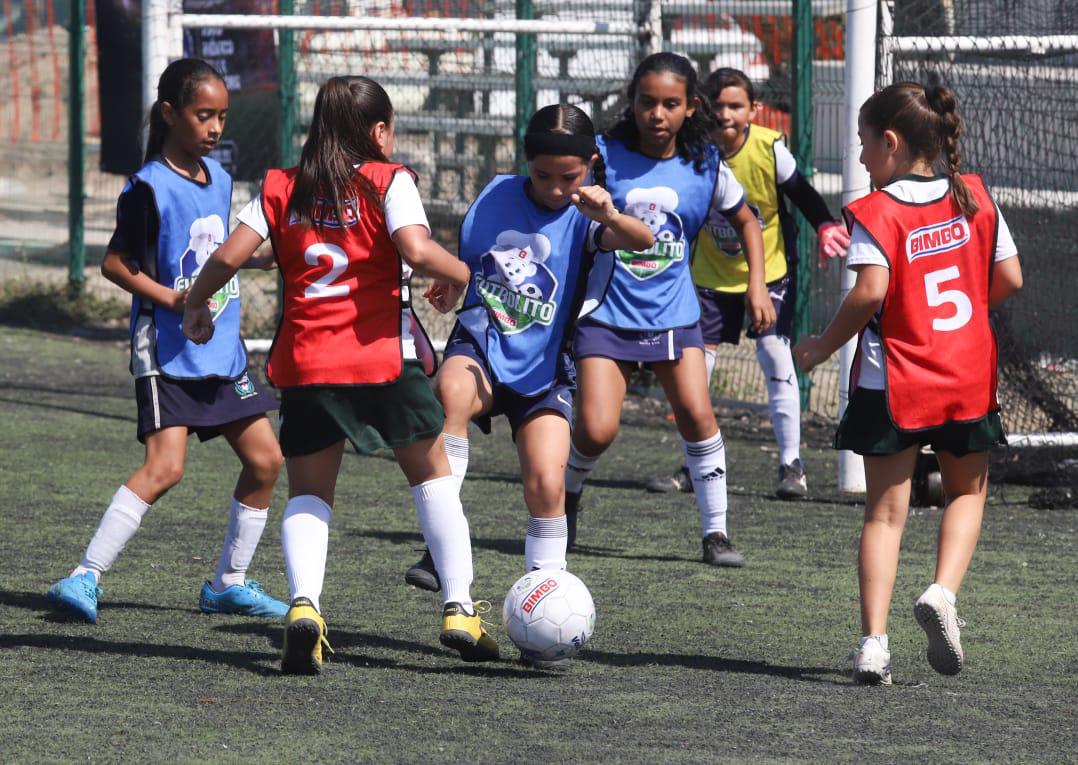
688	663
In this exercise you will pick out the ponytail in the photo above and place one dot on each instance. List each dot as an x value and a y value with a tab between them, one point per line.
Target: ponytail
176	87
942	101
345	111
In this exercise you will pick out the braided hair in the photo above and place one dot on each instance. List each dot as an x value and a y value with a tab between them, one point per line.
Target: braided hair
927	119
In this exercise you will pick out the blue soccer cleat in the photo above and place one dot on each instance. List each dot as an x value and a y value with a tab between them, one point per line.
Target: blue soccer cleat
248	600
76	596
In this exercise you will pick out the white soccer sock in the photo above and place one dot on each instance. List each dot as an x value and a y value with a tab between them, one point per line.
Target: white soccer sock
305	541
545	543
119	523
245	525
881	638
456	449
783	396
706	461
577	470
710	357
445	530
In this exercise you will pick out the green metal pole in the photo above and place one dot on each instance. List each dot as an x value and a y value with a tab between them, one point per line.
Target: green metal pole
286	139
804	47
76	151
525	80
286	68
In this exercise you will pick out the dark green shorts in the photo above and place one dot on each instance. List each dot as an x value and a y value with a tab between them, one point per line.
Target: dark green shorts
866	429
372	417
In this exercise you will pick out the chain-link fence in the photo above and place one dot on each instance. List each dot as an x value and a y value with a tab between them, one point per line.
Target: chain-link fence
1014	68
456	94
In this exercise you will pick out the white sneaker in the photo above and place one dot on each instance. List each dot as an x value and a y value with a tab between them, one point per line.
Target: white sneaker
872	661
939	619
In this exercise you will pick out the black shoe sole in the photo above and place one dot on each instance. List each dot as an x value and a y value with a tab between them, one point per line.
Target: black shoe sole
421	578
468	647
303	635
942	656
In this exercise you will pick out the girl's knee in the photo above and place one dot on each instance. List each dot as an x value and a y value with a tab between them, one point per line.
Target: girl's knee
164	473
545	488
265	466
696	421
593	436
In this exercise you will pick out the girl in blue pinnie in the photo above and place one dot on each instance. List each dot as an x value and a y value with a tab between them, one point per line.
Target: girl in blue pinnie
171	216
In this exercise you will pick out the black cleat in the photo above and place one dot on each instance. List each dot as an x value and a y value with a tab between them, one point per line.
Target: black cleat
572	510
423	574
719	552
679	481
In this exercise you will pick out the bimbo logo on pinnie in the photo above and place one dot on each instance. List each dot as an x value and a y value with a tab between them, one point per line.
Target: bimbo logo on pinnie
936	238
537	595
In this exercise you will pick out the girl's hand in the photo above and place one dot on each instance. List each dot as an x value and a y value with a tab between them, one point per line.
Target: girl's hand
443	295
834	242
809	353
761	309
179	300
198	323
595	202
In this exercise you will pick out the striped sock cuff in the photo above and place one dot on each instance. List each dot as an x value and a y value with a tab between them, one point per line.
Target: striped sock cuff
456	446
547	527
704	448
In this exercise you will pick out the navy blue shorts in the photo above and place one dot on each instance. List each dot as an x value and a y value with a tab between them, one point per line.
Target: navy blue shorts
202	406
632	345
516	407
722	314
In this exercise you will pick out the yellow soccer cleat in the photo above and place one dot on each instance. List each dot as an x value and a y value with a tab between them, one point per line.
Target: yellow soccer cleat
464	632
304	638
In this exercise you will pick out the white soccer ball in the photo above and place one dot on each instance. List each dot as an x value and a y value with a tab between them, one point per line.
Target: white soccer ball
549	614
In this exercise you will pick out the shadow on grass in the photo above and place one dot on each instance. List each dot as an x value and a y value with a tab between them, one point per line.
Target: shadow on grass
349	648
73	409
515	480
35	601
712	663
100	391
245	660
514	547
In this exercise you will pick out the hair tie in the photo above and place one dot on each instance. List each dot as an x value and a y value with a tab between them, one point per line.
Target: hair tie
559	145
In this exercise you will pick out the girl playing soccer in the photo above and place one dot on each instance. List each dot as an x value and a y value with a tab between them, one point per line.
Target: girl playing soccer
932	255
344	355
170	217
765	168
641	307
527	241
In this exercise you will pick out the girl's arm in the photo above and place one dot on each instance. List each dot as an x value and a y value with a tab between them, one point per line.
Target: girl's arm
620	232
1005	281
428	258
757	298
222	266
833	238
263	260
862	301
118	270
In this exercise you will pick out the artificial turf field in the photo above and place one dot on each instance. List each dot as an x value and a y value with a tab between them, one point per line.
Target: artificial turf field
688	663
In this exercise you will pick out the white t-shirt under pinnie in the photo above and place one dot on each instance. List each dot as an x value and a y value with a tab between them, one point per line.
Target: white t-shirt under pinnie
402	207
864	252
